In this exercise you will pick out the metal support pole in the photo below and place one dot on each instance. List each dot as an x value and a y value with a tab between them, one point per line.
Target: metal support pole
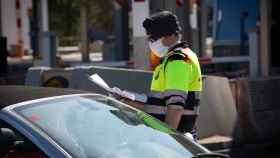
195	27
35	29
243	35
84	35
0	18
49	49
215	18
265	37
186	23
45	16
40	28
140	46
203	26
3	56
254	53
119	35
122	32
125	32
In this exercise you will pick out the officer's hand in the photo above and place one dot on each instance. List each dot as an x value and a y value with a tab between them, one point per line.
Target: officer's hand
116	93
122	93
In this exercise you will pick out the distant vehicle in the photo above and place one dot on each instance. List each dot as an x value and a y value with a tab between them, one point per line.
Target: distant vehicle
63	123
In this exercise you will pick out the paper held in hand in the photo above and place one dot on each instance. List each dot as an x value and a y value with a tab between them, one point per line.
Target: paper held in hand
100	82
115	90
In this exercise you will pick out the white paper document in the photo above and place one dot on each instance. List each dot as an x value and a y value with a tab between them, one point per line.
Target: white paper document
100	82
115	90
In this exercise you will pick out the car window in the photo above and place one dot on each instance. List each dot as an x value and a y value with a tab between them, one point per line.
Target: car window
14	144
90	127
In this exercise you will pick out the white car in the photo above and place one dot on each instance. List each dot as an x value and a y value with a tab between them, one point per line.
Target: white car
61	123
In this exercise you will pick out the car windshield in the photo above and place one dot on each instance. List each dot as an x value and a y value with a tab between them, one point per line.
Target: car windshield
100	127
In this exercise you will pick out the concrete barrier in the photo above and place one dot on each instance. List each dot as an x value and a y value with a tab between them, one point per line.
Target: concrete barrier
129	79
34	76
57	77
217	113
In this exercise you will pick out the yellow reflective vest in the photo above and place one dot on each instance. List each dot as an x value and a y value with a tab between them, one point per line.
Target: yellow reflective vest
183	75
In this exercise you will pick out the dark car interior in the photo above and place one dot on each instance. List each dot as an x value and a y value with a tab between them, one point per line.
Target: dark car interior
15	145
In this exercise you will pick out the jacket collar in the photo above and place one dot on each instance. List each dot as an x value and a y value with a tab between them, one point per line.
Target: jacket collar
178	46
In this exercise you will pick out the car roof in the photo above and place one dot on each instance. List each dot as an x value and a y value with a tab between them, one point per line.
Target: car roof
15	94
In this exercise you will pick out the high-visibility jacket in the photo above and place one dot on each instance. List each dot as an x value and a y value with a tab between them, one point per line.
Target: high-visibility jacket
177	80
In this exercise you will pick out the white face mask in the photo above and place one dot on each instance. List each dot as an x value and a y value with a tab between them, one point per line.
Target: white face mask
158	48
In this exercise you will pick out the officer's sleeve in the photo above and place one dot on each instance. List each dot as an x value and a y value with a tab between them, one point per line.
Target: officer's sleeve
177	79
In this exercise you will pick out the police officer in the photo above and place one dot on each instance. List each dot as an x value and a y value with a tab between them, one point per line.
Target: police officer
176	82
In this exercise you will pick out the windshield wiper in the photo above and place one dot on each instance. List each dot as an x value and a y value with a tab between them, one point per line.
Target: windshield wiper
210	155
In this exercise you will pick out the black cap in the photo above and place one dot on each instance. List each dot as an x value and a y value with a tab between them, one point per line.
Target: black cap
161	24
